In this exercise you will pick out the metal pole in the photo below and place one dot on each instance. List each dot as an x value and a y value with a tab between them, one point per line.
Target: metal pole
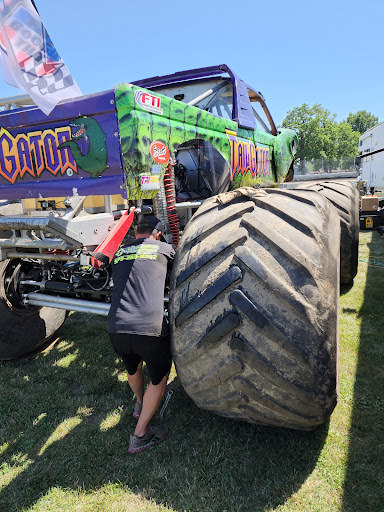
186	205
39	256
82	306
370	163
108	204
79	309
20	100
206	94
52	299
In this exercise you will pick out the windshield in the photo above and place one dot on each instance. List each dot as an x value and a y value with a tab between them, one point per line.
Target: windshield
262	121
215	96
222	102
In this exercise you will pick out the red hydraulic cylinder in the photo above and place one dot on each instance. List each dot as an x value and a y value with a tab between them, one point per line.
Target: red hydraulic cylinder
108	247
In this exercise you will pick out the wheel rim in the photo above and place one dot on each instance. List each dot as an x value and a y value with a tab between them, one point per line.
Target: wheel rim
14	272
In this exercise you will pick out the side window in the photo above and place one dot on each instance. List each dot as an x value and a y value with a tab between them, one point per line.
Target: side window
262	121
222	103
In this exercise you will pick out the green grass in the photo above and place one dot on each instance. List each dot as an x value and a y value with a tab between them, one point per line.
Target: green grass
65	419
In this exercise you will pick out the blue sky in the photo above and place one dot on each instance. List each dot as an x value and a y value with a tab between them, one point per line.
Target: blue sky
293	51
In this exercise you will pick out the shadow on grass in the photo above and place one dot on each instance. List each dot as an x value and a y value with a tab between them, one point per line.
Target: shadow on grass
64	426
364	482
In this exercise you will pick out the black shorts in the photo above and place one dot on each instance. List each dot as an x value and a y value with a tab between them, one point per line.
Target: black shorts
154	350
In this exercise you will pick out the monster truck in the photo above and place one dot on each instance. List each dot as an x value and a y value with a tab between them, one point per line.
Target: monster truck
254	291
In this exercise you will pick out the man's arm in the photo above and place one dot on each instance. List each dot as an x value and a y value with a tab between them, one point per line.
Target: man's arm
170	259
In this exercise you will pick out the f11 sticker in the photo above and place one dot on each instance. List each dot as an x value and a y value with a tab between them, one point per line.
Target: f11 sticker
148	102
156	169
159	152
150	183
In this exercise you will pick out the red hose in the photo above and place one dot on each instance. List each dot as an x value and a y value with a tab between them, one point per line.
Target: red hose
170	197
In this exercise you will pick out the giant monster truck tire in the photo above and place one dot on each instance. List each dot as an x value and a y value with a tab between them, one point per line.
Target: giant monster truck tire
345	197
254	308
22	330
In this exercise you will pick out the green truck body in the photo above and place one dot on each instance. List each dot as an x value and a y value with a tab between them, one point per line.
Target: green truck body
249	157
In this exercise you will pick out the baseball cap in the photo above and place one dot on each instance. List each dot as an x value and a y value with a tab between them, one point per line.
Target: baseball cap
150	222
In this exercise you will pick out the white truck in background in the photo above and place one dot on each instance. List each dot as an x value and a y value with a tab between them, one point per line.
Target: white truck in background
371	159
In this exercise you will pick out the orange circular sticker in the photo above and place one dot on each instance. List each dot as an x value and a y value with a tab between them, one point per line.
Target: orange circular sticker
159	152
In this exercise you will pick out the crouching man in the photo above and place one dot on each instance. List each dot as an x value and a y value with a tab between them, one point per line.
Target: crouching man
136	324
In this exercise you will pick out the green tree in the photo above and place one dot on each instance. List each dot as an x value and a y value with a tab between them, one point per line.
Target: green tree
309	123
320	136
338	141
346	140
362	121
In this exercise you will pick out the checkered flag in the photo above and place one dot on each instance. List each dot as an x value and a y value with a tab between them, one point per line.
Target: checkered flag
29	58
49	83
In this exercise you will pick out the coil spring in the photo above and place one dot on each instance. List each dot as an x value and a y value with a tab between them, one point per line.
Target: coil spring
170	197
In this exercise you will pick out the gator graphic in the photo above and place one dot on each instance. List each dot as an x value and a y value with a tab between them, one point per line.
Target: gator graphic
88	146
178	124
68	149
251	154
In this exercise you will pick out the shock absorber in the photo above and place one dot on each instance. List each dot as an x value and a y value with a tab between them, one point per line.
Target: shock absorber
170	196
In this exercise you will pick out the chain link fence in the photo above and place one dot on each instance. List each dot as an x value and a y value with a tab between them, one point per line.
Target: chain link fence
322	165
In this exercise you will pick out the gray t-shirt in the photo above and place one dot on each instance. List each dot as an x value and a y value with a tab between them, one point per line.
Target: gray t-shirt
139	274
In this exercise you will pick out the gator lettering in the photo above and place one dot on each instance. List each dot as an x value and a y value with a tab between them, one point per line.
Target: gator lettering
34	153
246	157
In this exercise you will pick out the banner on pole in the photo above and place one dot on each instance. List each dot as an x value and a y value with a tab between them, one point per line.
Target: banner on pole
29	58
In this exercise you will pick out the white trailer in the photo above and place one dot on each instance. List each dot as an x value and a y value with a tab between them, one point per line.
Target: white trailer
371	160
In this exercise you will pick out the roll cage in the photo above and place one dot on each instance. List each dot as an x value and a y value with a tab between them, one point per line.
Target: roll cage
242	112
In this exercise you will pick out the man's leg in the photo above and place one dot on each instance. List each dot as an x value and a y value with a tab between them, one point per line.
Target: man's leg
136	383
152	398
